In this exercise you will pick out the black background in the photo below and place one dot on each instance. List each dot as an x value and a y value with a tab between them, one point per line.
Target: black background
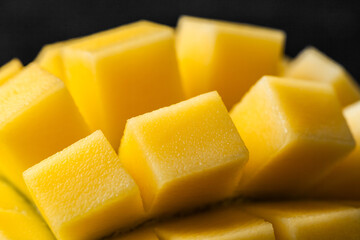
332	26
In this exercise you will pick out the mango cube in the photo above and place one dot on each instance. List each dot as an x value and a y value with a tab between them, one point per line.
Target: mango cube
224	56
221	224
146	233
9	70
309	220
83	192
121	73
16	225
37	118
184	155
343	180
18	219
295	132
311	64
50	59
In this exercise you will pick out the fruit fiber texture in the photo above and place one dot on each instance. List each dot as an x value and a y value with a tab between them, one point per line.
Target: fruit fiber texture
313	65
83	192
37	119
343	180
9	70
121	73
18	219
228	223
184	155
226	57
295	133
309	220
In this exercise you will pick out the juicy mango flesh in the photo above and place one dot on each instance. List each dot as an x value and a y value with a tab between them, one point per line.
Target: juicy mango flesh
184	155
9	70
179	165
224	56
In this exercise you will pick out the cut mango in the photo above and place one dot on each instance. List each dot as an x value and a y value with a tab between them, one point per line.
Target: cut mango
146	233
9	70
19	226
50	59
83	192
309	220
295	132
224	56
311	64
342	181
121	73
184	155
37	119
222	224
11	200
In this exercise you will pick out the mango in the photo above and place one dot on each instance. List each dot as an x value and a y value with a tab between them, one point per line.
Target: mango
295	132
50	59
311	64
37	118
221	224
18	219
342	181
17	226
9	70
121	73
184	155
224	56
309	220
145	233
83	191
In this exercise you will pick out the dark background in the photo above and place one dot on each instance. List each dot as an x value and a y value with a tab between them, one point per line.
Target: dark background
332	26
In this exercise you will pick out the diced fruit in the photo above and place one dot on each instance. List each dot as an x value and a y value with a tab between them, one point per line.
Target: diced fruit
309	220
222	224
121	73
50	59
224	56
284	65
138	234
37	119
311	64
83	191
11	200
9	70
295	132
18	226
342	181
18	219
184	155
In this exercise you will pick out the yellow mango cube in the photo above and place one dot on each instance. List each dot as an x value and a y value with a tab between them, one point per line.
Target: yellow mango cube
145	233
224	56
9	70
184	155
121	73
83	192
295	132
311	64
343	180
37	118
19	226
222	224
50	59
309	220
11	200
